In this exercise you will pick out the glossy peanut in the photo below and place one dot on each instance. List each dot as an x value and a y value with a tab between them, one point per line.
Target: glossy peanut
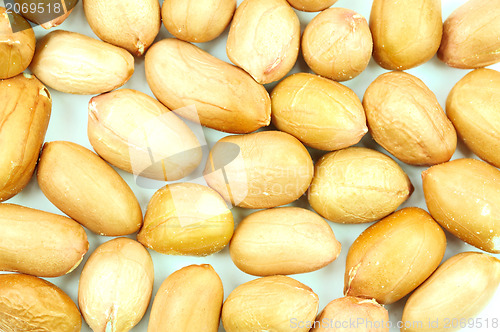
17	44
394	256
24	118
186	219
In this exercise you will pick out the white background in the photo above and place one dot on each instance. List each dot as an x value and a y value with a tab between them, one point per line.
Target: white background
69	122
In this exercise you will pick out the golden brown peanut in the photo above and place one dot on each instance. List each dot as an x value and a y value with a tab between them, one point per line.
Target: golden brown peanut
269	304
259	170
463	196
87	189
186	219
116	286
264	39
470	35
197	21
457	291
358	185
24	117
28	303
284	240
225	97
394	256
74	63
131	24
16	48
189	300
39	243
405	117
405	33
337	44
369	315
311	5
321	113
473	107
129	129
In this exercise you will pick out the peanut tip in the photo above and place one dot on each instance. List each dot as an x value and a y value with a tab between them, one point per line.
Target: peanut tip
140	48
352	275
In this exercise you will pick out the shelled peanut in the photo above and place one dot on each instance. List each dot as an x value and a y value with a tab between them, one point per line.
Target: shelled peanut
130	24
284	240
186	219
337	44
458	290
17	44
28	303
116	285
190	300
267	169
24	117
394	256
86	188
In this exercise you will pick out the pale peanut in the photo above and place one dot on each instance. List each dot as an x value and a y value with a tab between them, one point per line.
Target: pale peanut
116	285
286	240
197	21
131	24
204	89
74	63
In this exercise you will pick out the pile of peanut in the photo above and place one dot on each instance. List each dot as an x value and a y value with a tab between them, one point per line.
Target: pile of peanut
310	112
